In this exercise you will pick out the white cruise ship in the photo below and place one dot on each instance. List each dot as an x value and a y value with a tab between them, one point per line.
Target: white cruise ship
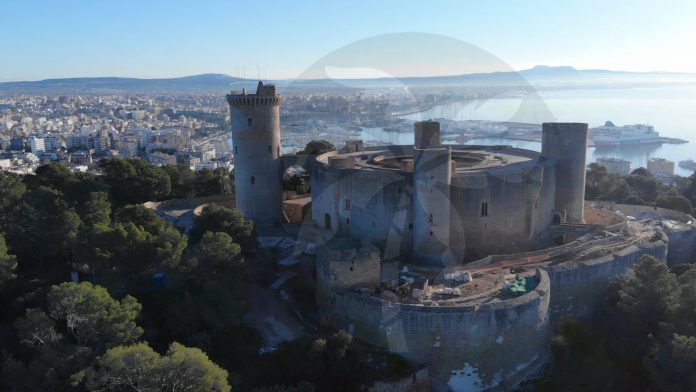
611	135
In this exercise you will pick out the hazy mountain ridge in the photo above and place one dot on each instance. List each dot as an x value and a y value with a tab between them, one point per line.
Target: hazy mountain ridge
218	83
205	83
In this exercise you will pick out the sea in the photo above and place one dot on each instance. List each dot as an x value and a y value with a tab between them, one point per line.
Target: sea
670	109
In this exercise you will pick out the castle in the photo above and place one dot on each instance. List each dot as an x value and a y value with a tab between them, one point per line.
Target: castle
459	257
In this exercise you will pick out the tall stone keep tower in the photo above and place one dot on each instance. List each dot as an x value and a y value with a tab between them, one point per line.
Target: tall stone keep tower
567	144
432	176
257	169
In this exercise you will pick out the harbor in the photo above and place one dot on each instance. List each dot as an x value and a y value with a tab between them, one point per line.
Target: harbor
607	136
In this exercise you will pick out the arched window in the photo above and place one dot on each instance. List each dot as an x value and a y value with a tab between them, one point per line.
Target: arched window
250	122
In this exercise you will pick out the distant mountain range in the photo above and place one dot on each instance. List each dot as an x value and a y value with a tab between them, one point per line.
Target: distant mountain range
197	84
220	83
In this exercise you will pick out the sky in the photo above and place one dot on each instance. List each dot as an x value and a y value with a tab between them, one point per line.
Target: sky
278	39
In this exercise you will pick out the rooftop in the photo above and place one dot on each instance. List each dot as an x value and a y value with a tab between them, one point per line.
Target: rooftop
467	158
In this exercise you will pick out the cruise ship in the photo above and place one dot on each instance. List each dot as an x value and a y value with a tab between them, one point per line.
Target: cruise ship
611	135
688	164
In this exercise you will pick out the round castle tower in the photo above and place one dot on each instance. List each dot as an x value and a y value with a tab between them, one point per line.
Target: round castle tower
255	122
566	143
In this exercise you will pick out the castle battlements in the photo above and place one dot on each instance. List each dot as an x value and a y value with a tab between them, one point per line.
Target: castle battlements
265	96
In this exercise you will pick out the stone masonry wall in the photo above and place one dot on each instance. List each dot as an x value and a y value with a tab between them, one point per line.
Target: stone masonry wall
577	288
682	239
475	348
489	346
346	267
378	205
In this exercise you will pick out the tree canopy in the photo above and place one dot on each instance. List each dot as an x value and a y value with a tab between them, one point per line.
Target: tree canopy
317	147
95	335
11	191
61	224
136	181
138	367
8	263
217	219
648	294
640	187
220	251
92	317
643	336
44	226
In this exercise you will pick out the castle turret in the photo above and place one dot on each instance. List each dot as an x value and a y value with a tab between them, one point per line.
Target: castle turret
426	134
256	137
432	175
566	143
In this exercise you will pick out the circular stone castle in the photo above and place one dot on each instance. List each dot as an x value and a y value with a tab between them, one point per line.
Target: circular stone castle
462	258
440	205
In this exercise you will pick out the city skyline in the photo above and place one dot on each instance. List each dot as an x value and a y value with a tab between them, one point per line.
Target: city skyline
162	40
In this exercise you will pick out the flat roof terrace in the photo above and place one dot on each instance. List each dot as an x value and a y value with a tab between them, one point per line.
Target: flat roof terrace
467	158
416	286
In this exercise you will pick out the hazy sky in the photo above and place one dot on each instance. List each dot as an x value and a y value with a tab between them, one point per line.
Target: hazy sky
147	38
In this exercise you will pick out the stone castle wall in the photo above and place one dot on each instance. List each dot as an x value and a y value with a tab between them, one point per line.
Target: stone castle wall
495	344
341	266
374	205
682	237
520	204
577	287
378	205
417	382
488	346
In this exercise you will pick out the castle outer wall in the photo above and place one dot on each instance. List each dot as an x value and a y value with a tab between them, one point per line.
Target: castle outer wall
488	346
578	288
475	348
679	227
